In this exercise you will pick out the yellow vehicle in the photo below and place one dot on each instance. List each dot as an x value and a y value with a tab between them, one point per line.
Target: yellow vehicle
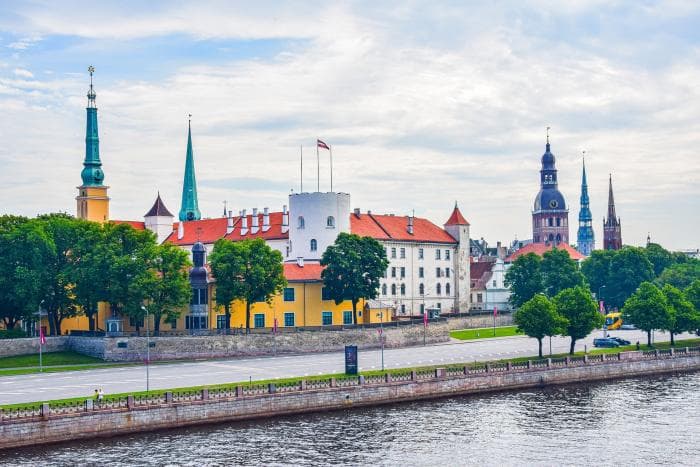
613	321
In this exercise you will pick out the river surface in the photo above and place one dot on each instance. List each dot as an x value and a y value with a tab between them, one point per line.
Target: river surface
638	421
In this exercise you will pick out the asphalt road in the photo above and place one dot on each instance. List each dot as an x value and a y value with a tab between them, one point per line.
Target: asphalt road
37	387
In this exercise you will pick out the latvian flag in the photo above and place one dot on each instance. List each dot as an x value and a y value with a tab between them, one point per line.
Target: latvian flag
321	144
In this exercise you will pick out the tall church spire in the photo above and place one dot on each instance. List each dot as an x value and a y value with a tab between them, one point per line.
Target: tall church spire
612	229
585	237
92	174
550	217
189	211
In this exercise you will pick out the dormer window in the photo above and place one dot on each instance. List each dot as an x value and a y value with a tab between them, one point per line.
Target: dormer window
330	222
300	222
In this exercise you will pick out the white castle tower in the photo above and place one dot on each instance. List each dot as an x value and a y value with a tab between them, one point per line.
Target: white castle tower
315	220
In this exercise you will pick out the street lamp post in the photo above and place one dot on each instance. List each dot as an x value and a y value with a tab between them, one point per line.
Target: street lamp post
148	350
381	334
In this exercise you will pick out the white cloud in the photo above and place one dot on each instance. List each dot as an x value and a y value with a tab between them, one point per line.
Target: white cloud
21	72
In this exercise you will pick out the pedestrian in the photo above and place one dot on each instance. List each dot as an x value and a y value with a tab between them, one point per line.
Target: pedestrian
100	395
97	394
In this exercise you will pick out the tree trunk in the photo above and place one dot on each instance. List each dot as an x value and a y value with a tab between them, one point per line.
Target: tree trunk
539	343
573	345
673	342
227	310
156	324
649	338
10	322
52	323
59	320
354	311
247	316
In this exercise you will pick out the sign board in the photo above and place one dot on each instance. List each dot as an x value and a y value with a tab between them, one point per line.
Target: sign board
350	359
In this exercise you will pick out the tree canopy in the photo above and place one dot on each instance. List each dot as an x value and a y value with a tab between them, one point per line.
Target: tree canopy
580	312
659	257
353	268
559	272
596	269
538	318
683	315
680	275
648	309
524	279
628	269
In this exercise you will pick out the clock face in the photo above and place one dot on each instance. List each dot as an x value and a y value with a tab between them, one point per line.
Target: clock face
553	203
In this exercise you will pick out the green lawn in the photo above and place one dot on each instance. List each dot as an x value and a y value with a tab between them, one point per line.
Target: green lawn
48	359
484	333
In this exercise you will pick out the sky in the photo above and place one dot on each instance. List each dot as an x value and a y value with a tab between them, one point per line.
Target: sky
424	104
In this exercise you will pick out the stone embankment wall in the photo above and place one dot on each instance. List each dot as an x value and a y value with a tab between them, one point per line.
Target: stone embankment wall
220	346
47	425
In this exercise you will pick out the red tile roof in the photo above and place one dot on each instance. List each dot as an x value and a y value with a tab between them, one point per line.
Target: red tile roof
210	230
310	272
540	249
456	218
387	227
478	268
135	224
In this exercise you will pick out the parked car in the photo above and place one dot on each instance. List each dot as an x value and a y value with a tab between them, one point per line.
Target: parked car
620	340
605	342
628	327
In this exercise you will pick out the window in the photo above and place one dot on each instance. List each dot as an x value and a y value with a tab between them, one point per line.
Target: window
403	289
221	322
402	253
447	272
325	294
558	221
403	272
289	319
438	289
393	289
447	254
197	322
403	309
259	320
393	252
437	253
550	222
347	317
300	222
439	306
199	297
447	289
173	324
420	272
421	289
383	289
288	294
438	272
422	309
314	244
330	222
393	272
327	318
420	253
479	298
494	283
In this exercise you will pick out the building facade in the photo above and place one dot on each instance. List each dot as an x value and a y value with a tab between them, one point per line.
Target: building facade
550	216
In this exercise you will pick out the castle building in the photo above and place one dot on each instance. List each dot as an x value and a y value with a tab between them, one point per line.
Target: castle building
612	228
585	238
92	199
550	217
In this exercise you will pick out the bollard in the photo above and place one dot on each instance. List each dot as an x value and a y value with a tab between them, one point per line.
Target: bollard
239	391
271	388
672	352
361	381
89	405
509	366
439	373
488	367
529	364
414	375
169	397
387	378
585	358
333	383
567	361
656	353
205	394
549	362
45	411
130	402
687	350
466	370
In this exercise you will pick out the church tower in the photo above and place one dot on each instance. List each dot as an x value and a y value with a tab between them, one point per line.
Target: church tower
93	202
612	229
550	217
585	238
189	210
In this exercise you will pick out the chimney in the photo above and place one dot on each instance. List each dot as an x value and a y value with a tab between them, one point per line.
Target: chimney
266	219
300	261
285	219
180	230
357	212
244	222
410	225
229	222
254	218
369	213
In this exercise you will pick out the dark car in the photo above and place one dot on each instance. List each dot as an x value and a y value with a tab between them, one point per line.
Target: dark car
605	342
620	341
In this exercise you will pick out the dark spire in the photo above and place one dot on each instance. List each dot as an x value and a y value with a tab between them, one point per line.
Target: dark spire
158	209
585	237
92	174
611	203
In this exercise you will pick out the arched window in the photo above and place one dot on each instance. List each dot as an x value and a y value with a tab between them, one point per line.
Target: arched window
314	244
403	289
447	289
300	222
558	221
421	289
551	237
330	222
438	289
383	289
550	222
558	238
393	289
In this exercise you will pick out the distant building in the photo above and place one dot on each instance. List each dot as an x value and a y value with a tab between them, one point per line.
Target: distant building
488	289
550	217
540	249
585	238
612	228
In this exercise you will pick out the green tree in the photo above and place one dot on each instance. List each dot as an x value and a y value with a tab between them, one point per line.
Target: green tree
648	309
353	267
628	269
167	284
692	293
596	269
249	271
559	272
24	247
524	279
683	315
659	257
538	318
680	275
580	311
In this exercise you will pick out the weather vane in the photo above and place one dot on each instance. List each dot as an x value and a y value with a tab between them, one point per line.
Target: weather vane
548	134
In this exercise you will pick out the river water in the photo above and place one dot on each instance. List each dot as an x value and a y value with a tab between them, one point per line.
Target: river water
627	422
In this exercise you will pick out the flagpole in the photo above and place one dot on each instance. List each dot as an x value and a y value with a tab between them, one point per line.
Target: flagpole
330	149
301	168
318	169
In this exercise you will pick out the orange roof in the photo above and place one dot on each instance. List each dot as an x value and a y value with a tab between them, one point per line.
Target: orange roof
310	272
135	224
540	249
456	218
478	268
387	227
211	230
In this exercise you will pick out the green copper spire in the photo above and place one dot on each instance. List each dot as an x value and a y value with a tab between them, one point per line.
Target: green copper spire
189	211
92	174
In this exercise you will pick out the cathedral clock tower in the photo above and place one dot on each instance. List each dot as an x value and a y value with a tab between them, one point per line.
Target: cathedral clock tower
93	202
550	216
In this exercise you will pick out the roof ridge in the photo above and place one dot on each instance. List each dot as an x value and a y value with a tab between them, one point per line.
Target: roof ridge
386	232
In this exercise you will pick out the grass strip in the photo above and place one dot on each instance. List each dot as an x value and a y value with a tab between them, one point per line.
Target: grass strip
281	381
48	359
484	333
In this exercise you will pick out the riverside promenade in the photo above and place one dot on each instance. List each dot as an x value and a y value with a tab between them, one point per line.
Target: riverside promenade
42	423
